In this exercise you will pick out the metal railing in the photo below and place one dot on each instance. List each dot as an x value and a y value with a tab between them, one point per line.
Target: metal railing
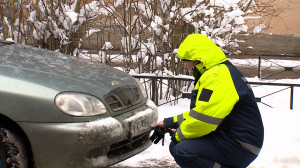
154	79
288	86
282	57
153	86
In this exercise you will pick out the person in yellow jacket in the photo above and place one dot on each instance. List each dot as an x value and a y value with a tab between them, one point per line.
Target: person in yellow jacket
223	127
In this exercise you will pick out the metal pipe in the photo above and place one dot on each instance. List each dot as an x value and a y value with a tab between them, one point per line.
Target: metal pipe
292	97
153	89
259	67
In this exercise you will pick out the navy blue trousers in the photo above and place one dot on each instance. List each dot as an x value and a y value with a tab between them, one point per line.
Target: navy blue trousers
215	150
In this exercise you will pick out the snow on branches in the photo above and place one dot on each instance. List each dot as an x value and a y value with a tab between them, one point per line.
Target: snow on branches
164	23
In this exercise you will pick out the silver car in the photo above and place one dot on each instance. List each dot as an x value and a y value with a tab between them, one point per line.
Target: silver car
60	111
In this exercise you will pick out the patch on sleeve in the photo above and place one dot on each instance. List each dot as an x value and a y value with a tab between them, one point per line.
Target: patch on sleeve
205	95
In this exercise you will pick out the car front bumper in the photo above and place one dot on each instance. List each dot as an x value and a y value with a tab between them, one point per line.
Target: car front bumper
98	143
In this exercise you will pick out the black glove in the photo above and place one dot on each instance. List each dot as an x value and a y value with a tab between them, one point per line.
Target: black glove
159	133
170	131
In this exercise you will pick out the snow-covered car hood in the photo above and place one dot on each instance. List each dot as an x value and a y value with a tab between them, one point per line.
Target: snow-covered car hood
55	70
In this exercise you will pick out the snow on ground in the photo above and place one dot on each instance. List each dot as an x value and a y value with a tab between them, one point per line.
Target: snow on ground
281	147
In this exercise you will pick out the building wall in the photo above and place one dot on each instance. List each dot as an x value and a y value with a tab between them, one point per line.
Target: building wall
289	20
282	36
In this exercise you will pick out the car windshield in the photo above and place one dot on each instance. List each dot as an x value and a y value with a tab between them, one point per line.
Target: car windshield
4	43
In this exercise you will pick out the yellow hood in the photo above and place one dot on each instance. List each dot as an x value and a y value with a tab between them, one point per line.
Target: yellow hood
199	47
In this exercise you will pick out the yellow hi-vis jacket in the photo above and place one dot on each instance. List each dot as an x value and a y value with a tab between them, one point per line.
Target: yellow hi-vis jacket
220	91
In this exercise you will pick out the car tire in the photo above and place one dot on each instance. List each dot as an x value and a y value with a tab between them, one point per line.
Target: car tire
12	150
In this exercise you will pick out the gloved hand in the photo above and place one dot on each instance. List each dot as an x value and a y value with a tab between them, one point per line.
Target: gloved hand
170	131
158	134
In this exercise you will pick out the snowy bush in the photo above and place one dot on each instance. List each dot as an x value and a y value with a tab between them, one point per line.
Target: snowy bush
165	23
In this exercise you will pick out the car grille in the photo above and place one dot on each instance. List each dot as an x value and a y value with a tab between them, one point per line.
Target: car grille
127	145
120	148
124	97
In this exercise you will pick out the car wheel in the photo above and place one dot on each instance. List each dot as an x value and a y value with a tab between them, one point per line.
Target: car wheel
12	150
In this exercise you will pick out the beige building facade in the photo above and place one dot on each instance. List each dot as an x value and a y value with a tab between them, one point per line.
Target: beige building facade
288	21
282	36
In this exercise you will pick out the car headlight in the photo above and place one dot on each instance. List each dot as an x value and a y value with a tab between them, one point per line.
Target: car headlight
79	104
145	95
